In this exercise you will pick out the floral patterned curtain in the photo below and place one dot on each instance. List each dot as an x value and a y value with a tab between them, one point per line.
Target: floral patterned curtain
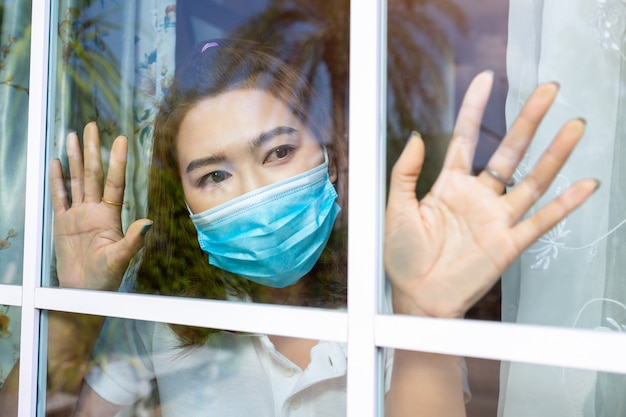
14	65
114	61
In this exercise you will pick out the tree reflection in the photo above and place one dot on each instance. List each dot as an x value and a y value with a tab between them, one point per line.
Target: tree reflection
420	80
90	78
313	35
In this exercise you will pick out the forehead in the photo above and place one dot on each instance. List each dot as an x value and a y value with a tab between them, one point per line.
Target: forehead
232	117
242	105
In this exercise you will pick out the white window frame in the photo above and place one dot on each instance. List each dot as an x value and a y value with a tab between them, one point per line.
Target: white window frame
361	326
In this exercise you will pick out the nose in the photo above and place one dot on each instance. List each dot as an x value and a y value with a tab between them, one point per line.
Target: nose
253	180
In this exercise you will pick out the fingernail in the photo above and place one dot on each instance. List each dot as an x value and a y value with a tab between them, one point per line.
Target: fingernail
583	120
557	84
146	228
414	134
598	183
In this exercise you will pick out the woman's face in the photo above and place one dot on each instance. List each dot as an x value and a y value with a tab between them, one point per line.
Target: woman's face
237	142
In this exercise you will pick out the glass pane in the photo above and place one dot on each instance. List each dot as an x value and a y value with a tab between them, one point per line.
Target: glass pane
434	49
9	339
10	318
153	369
14	71
483	378
577	265
272	80
572	275
15	21
559	392
479	386
574	392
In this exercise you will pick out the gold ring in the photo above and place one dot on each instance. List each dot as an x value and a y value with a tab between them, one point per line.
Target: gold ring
508	182
113	203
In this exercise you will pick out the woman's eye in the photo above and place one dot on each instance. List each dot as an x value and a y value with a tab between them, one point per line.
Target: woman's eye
279	153
214	177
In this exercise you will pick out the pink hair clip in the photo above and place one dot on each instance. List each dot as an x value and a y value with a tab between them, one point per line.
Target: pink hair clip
209	45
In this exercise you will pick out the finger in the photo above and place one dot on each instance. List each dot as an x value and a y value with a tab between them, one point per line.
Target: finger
93	163
531	229
406	171
513	147
75	160
467	128
528	192
57	188
132	242
116	175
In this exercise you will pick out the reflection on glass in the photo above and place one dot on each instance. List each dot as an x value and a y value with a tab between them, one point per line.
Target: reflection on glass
9	339
70	341
567	391
280	91
236	148
573	276
434	49
483	380
144	368
560	392
14	71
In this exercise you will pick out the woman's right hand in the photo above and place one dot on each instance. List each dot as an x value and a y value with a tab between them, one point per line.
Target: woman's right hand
91	249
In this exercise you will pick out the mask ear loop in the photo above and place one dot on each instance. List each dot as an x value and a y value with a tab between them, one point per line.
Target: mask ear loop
331	172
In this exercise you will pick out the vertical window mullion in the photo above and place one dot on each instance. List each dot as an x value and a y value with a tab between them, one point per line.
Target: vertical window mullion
365	202
34	207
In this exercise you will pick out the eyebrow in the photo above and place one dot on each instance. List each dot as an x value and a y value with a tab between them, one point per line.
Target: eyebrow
255	143
270	134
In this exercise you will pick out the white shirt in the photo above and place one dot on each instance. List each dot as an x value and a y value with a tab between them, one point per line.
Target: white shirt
230	375
233	375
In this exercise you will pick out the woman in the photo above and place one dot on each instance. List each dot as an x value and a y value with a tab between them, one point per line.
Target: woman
238	136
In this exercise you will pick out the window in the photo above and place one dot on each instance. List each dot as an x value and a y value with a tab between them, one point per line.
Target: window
80	72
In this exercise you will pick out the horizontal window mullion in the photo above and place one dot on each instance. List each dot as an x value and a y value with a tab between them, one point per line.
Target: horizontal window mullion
554	346
237	316
11	295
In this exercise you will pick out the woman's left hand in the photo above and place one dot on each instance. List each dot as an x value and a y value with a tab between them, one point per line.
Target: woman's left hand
444	252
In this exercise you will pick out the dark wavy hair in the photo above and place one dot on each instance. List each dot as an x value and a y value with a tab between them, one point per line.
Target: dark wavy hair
172	262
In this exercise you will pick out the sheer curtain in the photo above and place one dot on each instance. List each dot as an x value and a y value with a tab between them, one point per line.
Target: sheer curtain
572	277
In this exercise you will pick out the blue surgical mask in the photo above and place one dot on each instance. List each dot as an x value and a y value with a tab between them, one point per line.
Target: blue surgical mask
273	235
